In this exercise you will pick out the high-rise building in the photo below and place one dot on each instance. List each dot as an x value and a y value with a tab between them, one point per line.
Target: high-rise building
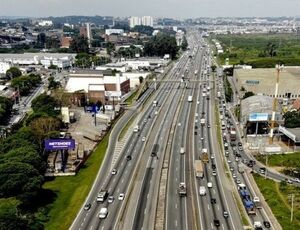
134	21
147	21
86	32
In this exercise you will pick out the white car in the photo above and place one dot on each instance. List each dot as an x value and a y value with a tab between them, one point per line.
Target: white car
114	172
143	139
202	191
110	199
212	156
214	173
234	175
145	121
121	196
209	184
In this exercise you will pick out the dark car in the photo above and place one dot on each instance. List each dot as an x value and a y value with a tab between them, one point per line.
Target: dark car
250	165
213	166
240	144
267	224
128	157
213	200
195	132
216	222
87	206
225	214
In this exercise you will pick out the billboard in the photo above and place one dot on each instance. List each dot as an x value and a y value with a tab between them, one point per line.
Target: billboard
59	144
258	117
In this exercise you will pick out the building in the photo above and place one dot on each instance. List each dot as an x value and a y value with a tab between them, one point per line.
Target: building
4	66
114	31
86	32
45	23
93	86
290	136
65	42
134	21
262	81
147	21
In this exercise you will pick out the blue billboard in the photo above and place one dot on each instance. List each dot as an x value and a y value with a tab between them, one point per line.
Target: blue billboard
258	117
59	144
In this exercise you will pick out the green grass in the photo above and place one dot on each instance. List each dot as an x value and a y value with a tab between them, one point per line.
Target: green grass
281	160
277	197
72	191
251	49
129	100
126	127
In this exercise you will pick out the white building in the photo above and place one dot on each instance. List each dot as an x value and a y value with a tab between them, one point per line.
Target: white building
4	66
114	31
147	21
134	21
89	33
119	66
45	23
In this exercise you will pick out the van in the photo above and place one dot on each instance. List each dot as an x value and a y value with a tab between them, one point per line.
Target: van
103	213
202	191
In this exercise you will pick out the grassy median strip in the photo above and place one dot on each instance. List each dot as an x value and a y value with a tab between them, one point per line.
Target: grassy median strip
72	191
278	197
129	100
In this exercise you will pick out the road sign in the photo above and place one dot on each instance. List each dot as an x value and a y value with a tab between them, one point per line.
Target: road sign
59	144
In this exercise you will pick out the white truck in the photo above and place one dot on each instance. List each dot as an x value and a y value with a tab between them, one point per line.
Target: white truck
102	195
202	121
190	98
136	129
241	168
219	94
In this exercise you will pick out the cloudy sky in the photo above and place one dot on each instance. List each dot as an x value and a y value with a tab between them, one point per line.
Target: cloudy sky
167	8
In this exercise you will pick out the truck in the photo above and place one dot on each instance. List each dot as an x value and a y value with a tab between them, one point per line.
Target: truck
257	225
102	195
136	129
241	168
182	189
199	168
232	134
247	202
257	202
154	103
204	156
202	121
190	98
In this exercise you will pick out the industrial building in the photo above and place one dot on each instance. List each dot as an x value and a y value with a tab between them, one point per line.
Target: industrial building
262	82
93	86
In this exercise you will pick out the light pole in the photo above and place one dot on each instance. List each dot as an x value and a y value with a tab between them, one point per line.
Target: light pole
278	68
292	196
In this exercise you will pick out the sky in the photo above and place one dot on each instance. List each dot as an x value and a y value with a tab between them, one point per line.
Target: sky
157	8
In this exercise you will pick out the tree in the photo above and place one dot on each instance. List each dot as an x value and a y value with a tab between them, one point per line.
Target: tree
26	83
248	94
52	83
13	72
141	79
10	218
45	104
5	109
19	179
110	47
148	30
213	68
160	45
184	44
292	119
79	45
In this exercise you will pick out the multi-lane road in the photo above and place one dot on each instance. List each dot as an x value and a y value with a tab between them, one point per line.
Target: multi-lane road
161	154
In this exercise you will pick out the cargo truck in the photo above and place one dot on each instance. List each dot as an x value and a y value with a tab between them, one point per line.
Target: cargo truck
102	195
199	168
232	134
182	189
204	156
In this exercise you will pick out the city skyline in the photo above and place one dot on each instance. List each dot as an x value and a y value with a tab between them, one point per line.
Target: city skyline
188	9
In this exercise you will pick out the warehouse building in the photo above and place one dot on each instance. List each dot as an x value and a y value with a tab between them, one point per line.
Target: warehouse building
262	82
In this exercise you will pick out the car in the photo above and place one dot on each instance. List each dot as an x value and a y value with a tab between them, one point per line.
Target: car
213	166
145	120
250	165
240	144
240	148
214	172
213	201
87	206
225	214
121	196
262	170
229	161
216	222
289	181
237	159
267	224
195	133
196	127
238	155
212	156
245	161
128	157
252	162
234	148
233	175
110	199
103	213
231	169
226	144
179	124
238	181
208	125
202	191
209	184
143	139
114	171
297	180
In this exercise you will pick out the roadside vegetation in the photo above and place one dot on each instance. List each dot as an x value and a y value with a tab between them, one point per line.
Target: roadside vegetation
278	197
260	50
288	163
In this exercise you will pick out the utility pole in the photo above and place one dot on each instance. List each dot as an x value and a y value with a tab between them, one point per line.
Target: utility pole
278	68
292	209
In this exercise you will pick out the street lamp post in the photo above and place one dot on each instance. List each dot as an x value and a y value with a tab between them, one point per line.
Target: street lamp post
292	196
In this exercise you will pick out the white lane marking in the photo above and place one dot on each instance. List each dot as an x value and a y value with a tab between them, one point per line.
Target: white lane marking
218	207
102	228
145	211
176	179
212	226
176	223
176	205
176	169
122	181
223	227
208	207
214	191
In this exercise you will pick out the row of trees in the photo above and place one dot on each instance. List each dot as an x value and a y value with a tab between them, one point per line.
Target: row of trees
160	45
5	109
26	83
23	164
